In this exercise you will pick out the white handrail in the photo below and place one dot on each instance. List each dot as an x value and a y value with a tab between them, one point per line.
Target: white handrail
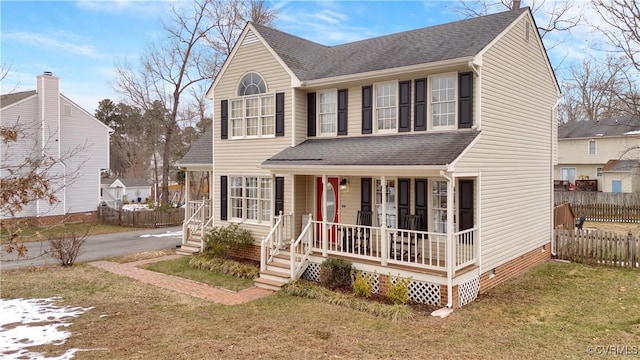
268	243
301	249
185	225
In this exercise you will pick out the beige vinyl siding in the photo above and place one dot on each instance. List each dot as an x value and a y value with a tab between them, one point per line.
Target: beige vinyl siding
241	157
514	152
576	151
300	116
627	180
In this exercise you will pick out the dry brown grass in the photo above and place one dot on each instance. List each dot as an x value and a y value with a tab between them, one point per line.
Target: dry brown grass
616	228
142	256
554	311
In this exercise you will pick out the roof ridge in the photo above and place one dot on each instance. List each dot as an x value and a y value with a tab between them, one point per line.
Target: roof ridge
287	34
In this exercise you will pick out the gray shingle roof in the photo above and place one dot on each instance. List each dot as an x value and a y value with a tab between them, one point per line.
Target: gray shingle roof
201	152
408	150
617	126
8	99
465	38
134	182
621	165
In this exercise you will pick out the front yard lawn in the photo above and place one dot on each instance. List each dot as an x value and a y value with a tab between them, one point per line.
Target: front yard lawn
554	311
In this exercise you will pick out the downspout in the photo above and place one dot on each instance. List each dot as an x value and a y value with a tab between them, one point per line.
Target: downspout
476	67
449	254
551	172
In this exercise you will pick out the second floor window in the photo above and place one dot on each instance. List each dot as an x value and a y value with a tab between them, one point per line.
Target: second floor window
253	112
592	147
386	106
327	112
443	101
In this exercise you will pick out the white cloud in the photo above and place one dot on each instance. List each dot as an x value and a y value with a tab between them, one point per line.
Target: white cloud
143	8
59	41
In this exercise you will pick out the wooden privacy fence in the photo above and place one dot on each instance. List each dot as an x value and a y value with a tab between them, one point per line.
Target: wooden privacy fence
563	217
608	212
142	218
597	248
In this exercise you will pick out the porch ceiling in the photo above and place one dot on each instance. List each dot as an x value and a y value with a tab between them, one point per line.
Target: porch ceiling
418	149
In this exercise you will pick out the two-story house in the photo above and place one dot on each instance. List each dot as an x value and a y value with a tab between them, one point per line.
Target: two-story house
55	127
605	150
426	154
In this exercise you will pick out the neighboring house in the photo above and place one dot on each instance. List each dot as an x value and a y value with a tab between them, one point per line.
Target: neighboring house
585	147
56	126
435	147
198	160
121	190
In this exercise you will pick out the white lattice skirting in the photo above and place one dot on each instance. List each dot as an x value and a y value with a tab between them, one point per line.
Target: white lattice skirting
419	291
468	291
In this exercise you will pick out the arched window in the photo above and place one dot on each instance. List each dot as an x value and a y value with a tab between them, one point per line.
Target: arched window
251	84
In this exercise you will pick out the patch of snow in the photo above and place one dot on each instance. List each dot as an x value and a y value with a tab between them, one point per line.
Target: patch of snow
135	207
34	322
174	234
634	132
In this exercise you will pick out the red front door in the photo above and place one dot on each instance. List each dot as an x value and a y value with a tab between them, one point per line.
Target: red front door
332	206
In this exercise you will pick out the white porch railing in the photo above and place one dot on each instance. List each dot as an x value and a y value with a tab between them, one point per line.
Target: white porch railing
275	240
301	249
199	217
420	249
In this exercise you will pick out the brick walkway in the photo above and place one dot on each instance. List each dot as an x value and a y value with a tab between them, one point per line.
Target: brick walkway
185	286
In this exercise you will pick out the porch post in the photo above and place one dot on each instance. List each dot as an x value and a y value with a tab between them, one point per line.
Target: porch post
325	233
186	191
383	236
451	246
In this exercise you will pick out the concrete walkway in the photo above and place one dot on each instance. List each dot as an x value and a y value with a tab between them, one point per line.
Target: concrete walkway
185	286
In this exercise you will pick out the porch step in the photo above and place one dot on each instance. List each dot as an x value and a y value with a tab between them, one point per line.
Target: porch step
190	248
276	275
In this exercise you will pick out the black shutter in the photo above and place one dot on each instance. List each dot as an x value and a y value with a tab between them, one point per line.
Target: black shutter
404	201
465	100
279	205
466	204
224	119
223	197
311	114
342	111
367	109
365	194
421	202
420	105
279	114
405	106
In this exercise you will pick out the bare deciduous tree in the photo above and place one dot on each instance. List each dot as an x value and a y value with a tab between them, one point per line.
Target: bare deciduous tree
592	92
198	40
621	27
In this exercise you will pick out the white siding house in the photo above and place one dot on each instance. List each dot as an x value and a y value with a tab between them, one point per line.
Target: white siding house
420	154
55	126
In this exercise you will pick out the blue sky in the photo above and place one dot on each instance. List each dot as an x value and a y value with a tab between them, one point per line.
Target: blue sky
80	41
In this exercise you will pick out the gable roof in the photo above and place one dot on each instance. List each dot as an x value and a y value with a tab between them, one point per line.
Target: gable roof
12	98
621	165
133	182
201	153
460	39
617	126
389	150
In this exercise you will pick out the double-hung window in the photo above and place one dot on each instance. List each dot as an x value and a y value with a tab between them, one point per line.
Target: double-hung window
443	101
250	199
327	112
592	147
253	111
386	106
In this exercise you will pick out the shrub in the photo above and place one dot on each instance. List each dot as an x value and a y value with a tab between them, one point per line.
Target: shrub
219	241
335	273
398	292
224	266
66	247
362	283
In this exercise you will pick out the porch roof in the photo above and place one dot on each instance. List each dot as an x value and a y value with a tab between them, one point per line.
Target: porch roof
418	149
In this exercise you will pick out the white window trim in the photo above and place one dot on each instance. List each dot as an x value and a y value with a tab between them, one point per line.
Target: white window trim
244	198
259	116
375	107
430	79
319	120
595	147
266	86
